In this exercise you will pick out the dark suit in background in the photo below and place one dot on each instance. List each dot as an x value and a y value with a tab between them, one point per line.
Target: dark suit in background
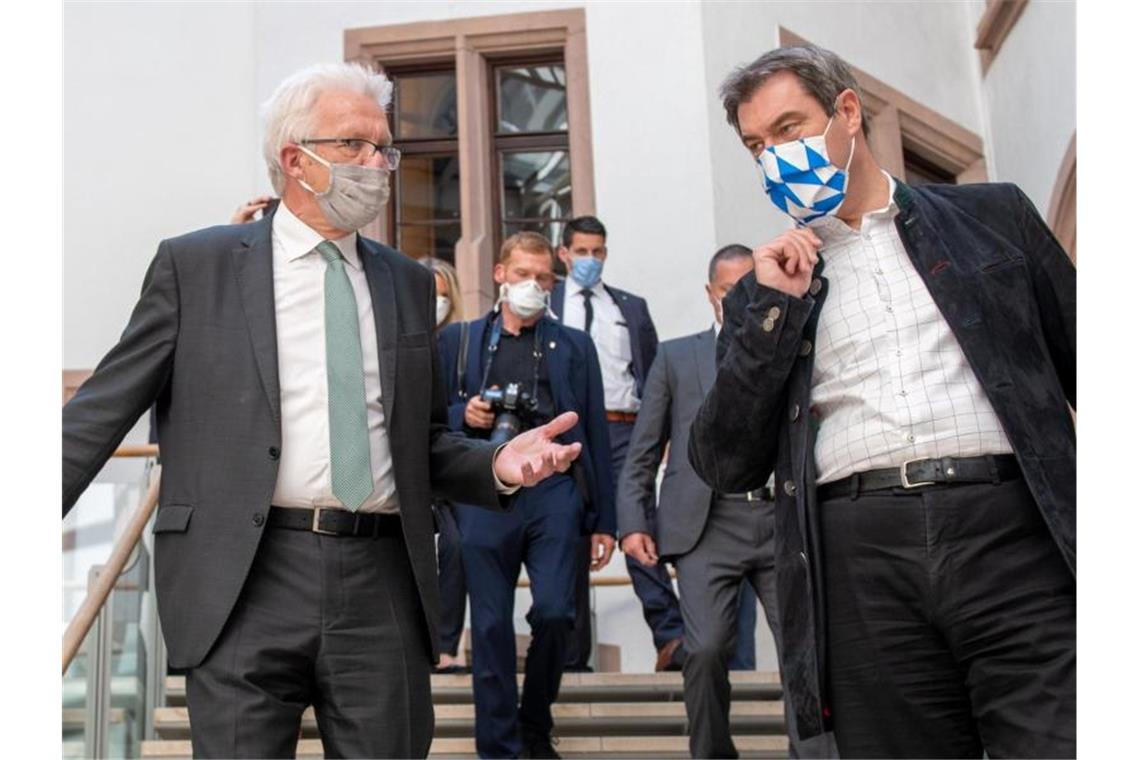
652	585
717	541
201	345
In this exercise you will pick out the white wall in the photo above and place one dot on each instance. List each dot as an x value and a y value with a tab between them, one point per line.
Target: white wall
1030	93
921	49
158	138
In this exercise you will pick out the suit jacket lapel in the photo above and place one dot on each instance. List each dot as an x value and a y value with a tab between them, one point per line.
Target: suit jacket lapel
253	267
705	348
475	356
386	315
557	299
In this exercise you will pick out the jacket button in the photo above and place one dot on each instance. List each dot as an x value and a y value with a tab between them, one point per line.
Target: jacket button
258	519
789	488
274	453
794	413
805	348
774	313
803	558
816	286
768	325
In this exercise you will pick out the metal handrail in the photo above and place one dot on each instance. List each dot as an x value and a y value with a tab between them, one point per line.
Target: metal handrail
80	625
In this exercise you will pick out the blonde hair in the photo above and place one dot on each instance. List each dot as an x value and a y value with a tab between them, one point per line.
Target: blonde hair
451	278
531	242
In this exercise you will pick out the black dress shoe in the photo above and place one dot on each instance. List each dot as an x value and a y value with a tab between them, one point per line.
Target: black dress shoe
537	745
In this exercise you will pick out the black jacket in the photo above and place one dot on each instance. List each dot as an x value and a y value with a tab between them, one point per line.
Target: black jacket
1007	291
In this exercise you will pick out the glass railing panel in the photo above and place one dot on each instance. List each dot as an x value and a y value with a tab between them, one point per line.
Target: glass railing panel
108	693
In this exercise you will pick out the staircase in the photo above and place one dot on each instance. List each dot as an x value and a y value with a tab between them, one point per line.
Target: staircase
613	715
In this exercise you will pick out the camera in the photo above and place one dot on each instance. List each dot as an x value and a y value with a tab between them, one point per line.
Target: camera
513	409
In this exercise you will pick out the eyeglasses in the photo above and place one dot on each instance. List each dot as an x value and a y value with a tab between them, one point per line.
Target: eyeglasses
355	148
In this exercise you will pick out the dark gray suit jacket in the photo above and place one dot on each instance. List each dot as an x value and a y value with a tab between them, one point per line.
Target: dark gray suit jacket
201	345
679	378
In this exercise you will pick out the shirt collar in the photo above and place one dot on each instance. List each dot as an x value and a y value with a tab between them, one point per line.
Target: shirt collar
831	229
573	288
297	239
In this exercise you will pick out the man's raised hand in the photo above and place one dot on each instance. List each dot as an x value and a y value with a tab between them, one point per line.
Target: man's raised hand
533	456
786	262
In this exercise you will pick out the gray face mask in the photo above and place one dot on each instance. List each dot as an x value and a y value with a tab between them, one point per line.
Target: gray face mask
355	194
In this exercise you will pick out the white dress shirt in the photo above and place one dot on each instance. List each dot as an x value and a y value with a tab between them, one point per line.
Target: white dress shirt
890	382
611	338
304	477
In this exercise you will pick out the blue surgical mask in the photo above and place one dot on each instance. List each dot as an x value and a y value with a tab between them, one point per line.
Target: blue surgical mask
586	270
800	179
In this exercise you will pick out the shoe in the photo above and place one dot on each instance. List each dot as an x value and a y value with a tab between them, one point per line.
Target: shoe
451	670
538	745
670	657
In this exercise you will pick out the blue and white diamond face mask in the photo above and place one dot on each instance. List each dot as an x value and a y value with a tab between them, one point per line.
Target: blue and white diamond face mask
801	180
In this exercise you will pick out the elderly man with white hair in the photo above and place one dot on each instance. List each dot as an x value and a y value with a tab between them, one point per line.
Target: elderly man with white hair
303	427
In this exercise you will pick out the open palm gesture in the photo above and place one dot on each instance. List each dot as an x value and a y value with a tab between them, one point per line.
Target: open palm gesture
534	455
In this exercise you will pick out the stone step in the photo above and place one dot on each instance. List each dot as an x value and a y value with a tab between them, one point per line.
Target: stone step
574	719
747	685
639	747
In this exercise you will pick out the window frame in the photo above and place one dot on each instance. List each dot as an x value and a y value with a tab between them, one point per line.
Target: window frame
901	124
475	46
417	147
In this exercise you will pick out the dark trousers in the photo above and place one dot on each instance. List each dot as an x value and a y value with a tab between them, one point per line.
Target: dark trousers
332	622
735	549
452	580
951	625
542	532
652	585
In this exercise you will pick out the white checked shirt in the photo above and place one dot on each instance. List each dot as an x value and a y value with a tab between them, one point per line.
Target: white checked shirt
611	337
890	382
304	477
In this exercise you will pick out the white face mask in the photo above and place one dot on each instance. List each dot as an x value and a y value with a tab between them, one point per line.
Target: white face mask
355	193
442	308
526	298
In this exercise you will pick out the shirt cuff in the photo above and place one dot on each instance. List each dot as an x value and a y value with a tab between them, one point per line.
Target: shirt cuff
500	486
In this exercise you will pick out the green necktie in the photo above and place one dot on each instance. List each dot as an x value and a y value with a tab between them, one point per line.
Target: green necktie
349	453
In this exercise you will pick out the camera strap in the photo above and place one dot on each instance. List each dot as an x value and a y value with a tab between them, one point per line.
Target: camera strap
461	364
493	348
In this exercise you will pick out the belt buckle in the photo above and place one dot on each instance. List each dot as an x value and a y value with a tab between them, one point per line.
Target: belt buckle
906	481
316	527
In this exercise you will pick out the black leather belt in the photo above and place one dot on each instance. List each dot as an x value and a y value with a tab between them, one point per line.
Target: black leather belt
926	472
760	494
334	522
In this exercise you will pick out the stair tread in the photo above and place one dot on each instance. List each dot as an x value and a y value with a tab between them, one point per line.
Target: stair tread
567	746
166	716
177	684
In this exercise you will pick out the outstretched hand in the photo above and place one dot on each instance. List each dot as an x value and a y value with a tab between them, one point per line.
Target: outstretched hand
533	456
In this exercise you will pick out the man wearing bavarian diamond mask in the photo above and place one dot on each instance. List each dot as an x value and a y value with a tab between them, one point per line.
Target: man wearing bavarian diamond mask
903	361
303	428
519	362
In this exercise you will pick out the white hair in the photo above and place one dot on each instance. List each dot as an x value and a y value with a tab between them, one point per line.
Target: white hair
288	114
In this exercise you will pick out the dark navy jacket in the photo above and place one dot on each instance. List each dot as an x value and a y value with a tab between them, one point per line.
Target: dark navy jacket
575	384
642	334
1008	292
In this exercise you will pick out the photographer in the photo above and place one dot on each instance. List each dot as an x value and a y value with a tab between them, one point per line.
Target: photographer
508	372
